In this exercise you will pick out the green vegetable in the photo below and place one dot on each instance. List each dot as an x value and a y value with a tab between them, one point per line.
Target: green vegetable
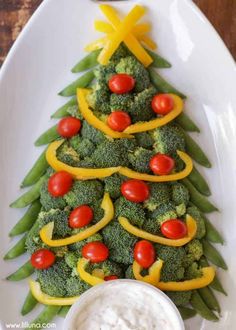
121	101
129	273
63	111
201	308
33	241
209	299
77	247
49	202
82	82
88	62
75	286
23	272
193	271
108	267
113	184
132	211
158	61
199	182
179	298
180	194
186	313
140	159
68	155
195	213
163	212
186	123
29	304
17	250
144	139
92	134
213	255
84	147
47	315
63	311
194	252
47	137
212	233
159	194
98	100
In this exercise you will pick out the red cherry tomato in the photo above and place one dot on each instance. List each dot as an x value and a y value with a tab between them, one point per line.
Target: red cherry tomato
110	278
162	104
118	120
95	251
59	183
136	191
121	83
161	164
42	259
81	216
174	229
144	253
68	127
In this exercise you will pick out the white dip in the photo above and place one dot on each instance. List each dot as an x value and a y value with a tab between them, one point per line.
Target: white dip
126	306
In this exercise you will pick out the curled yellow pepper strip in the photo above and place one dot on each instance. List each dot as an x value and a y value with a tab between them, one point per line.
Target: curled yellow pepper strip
45	299
47	231
154	272
154	123
191	227
85	276
93	120
208	274
161	178
137	31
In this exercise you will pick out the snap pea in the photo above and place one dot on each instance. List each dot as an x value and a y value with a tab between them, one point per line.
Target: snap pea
62	111
209	298
186	313
17	250
38	169
88	62
29	304
199	182
158	61
201	308
186	123
81	82
212	233
47	137
213	255
63	311
27	221
162	85
23	272
198	199
31	195
47	315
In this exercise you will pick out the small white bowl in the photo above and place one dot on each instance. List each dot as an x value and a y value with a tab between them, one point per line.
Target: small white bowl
95	292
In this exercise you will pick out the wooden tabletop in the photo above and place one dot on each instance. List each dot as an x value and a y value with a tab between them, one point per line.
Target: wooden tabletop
15	13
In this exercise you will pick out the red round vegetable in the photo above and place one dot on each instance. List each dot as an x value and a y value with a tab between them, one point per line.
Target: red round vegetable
59	183
121	83
118	120
68	127
174	229
144	253
162	104
136	191
110	278
95	251
42	259
161	164
81	216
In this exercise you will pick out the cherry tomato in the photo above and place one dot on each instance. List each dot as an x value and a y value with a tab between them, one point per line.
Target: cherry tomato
174	229
59	183
81	216
121	83
144	253
42	259
161	164
110	278
118	120
95	251
68	127
162	104
136	191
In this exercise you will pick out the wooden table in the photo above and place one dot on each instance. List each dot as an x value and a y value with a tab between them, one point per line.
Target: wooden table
15	13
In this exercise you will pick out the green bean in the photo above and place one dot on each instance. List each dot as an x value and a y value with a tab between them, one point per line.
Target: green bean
162	85
23	272
199	182
198	199
38	169
212	233
209	298
186	123
88	62
201	308
186	313
17	250
81	82
29	304
47	315
213	255
63	311
31	195
47	137
158	61
27	221
62	111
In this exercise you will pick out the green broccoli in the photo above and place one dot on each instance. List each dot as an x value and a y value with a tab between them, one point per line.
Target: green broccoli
121	101
194	251
103	73
84	147
134	212
84	192
128	144
151	226
196	214
180	298
129	273
68	155
133	67
78	245
92	134
121	52
86	163
98	100
165	211
159	195
60	251
71	258
48	201
144	139
119	242
113	184
75	286
180	194
140	159
33	241
98	212
193	271
108	267
74	111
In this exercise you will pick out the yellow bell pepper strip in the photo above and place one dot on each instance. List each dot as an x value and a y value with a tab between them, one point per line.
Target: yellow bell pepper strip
47	231
85	276
97	44
154	123
93	120
161	178
148	42
138	30
77	172
45	299
191	227
154	272
208	274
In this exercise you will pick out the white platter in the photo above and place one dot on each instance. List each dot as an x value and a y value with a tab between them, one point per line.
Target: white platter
38	66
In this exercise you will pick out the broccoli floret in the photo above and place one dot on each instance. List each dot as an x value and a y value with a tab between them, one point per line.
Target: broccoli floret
84	192
98	212
71	258
193	271
159	195
92	134
181	209
134	68
196	214
121	52
180	194
103	73
108	267
60	251
74	111
113	184
144	139
68	155
151	226
134	212
119	242
129	273
164	212
194	250
78	245
84	147
48	201
98	100
86	163
129	144
121	101
76	286
140	159
33	241
179	298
